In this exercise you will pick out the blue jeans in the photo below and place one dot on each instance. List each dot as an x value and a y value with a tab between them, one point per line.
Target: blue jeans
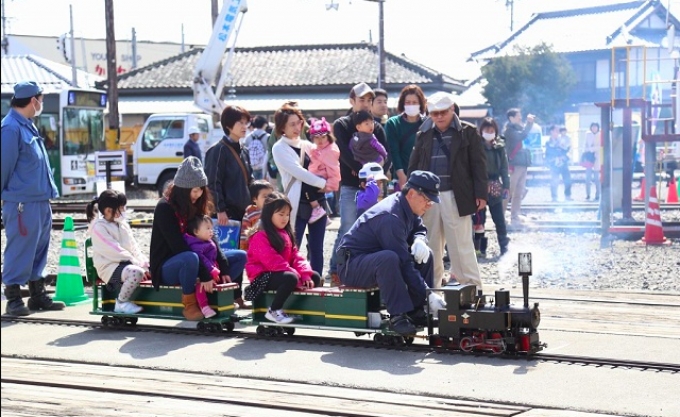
237	261
181	269
317	231
348	215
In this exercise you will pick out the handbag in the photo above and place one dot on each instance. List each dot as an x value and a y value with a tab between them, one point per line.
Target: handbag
495	188
520	156
588	156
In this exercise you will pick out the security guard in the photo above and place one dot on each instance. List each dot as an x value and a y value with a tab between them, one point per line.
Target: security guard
27	187
375	251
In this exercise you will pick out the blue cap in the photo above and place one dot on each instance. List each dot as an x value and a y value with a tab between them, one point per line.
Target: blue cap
425	182
26	89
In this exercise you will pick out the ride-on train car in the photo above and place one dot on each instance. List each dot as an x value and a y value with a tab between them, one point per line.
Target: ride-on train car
162	304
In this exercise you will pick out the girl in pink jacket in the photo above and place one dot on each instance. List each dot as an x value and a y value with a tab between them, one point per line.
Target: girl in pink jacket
324	156
274	262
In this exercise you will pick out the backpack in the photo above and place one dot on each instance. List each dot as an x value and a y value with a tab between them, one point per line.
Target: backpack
257	150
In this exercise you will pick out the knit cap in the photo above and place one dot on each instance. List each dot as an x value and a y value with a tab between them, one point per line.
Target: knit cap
190	174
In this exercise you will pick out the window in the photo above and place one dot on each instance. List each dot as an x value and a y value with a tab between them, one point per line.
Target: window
160	129
585	75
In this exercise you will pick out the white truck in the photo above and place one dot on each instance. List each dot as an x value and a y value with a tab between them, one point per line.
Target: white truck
159	148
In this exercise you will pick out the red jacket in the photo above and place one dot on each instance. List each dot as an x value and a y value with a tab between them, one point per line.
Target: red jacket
262	257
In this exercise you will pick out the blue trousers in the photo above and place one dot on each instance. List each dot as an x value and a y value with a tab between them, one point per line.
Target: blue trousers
348	215
317	231
27	243
237	261
400	292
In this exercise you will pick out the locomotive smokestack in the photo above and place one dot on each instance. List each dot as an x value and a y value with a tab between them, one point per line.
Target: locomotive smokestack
524	269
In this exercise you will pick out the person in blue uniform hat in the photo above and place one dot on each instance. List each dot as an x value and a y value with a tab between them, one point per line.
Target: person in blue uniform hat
387	247
27	186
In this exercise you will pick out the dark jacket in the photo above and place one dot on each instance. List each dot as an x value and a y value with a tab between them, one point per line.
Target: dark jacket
467	162
514	135
226	179
167	240
191	148
497	163
343	130
389	225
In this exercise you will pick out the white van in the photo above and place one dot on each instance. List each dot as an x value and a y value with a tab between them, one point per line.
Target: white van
159	148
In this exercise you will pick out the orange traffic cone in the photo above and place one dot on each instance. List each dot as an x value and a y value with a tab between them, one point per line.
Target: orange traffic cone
672	196
641	196
653	226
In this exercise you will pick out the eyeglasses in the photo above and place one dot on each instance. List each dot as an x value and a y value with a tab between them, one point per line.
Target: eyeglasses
441	113
427	199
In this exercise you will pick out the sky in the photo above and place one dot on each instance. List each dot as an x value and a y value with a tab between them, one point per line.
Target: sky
440	34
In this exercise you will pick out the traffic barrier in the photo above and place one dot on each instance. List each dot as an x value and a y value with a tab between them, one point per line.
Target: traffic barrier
672	196
70	289
653	226
641	196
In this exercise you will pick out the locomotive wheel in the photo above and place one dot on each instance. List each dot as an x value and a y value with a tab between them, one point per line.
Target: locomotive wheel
130	321
271	332
466	344
215	328
290	331
116	321
228	326
201	327
435	340
105	321
260	330
397	341
379	338
408	340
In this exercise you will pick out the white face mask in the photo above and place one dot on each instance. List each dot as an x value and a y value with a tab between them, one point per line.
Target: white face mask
488	136
38	111
412	109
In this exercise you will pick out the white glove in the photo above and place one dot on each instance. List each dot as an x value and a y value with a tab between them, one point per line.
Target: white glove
435	302
420	250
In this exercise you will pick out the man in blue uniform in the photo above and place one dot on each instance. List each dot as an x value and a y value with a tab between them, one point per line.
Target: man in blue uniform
27	187
375	251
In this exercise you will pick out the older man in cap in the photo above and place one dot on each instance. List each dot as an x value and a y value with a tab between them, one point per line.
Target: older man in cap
453	150
361	97
27	187
387	247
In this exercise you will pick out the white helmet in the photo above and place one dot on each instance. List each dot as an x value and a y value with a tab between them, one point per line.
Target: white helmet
372	170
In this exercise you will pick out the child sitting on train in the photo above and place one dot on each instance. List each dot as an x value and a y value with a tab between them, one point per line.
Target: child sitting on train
259	190
200	238
274	262
373	181
116	254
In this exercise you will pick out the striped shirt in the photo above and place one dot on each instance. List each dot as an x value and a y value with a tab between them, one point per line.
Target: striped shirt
439	162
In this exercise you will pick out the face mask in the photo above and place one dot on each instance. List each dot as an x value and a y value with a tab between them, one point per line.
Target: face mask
412	109
38	111
488	136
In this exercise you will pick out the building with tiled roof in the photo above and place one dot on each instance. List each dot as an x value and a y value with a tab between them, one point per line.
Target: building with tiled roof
318	76
52	76
586	37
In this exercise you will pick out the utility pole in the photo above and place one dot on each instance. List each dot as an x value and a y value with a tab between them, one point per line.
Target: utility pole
111	66
5	41
134	48
214	11
74	68
511	5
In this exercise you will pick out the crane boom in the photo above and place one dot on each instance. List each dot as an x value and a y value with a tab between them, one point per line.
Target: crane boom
207	68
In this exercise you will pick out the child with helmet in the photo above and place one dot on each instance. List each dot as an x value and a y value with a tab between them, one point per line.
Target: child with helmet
373	182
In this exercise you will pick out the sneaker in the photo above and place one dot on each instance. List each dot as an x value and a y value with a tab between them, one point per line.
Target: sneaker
278	316
317	213
208	312
127	307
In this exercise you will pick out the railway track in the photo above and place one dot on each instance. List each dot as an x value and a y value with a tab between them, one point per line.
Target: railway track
363	343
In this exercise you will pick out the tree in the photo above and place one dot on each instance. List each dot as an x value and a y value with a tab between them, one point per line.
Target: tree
535	79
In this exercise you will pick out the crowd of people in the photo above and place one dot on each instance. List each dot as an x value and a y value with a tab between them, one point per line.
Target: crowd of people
412	188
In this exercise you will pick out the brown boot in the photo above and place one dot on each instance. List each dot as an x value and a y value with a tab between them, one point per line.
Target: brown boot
191	310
